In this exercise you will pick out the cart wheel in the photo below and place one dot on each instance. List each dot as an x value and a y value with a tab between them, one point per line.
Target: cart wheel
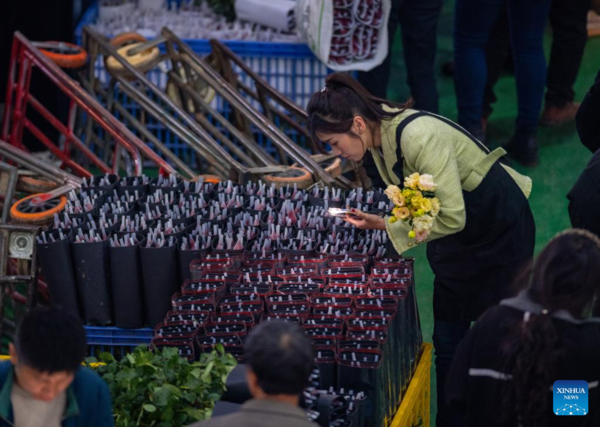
125	39
30	185
143	61
211	179
24	211
333	167
298	176
65	55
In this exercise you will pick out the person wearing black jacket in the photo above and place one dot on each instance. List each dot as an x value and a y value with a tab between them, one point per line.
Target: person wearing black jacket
584	197
504	370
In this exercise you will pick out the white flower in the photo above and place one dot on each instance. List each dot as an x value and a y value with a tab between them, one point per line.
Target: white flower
423	223
426	182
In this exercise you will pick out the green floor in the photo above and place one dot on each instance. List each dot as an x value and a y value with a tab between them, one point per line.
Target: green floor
562	157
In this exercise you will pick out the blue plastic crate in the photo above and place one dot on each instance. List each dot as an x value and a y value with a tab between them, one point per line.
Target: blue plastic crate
291	68
114	340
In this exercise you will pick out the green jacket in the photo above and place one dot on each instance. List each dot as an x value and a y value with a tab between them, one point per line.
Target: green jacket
88	400
430	146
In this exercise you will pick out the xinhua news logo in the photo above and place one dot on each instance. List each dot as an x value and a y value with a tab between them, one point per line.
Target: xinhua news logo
570	397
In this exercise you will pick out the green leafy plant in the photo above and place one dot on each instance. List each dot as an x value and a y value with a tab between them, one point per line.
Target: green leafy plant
162	389
224	8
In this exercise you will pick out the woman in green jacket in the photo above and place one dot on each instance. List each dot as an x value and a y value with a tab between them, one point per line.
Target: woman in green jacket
484	232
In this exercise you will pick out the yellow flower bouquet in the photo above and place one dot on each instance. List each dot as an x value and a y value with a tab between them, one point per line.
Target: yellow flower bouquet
416	204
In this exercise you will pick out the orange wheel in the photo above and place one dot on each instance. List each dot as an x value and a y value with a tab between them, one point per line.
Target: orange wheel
124	39
24	211
65	55
298	176
211	179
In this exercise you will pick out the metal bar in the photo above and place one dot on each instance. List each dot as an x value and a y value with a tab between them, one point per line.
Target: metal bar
118	131
56	151
277	137
205	137
40	167
10	191
162	115
67	133
251	146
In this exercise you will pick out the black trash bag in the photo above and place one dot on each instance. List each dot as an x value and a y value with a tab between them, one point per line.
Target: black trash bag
159	279
92	266
126	281
54	252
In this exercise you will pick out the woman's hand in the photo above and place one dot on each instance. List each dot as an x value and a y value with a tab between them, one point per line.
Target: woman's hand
365	221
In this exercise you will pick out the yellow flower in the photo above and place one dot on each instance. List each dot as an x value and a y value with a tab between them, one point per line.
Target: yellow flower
392	192
401	213
393	219
435	206
412	181
426	204
407	193
412	234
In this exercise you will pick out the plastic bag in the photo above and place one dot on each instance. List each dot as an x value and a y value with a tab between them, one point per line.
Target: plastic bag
345	34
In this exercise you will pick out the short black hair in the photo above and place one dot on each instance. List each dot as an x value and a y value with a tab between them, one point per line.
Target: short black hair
281	356
50	340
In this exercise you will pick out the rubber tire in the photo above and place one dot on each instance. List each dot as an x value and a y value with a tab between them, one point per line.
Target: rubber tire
67	60
143	61
125	39
38	217
31	185
301	177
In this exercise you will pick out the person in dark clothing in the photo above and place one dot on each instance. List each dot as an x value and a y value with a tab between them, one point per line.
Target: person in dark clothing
568	19
473	24
279	359
584	197
504	370
485	229
418	20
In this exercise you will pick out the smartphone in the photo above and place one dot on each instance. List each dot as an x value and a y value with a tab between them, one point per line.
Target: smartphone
339	212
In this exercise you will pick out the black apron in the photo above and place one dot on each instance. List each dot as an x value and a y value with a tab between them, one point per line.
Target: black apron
475	268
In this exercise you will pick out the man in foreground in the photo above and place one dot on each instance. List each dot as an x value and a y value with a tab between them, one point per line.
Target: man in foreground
44	383
279	358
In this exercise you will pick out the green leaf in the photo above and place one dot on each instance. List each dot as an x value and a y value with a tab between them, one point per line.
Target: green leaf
207	370
106	357
149	408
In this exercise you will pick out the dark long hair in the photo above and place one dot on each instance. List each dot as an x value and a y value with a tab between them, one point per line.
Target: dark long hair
566	275
332	110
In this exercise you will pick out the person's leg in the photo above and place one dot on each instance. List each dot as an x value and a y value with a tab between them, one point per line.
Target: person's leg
496	53
418	23
474	20
527	23
568	19
376	81
446	337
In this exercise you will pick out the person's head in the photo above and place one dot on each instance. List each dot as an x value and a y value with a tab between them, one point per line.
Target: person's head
279	360
49	347
346	116
565	276
566	273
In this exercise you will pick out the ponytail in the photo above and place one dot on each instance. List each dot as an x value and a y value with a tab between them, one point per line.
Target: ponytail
332	110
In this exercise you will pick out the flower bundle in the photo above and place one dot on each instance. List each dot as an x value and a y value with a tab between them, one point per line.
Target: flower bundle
415	204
